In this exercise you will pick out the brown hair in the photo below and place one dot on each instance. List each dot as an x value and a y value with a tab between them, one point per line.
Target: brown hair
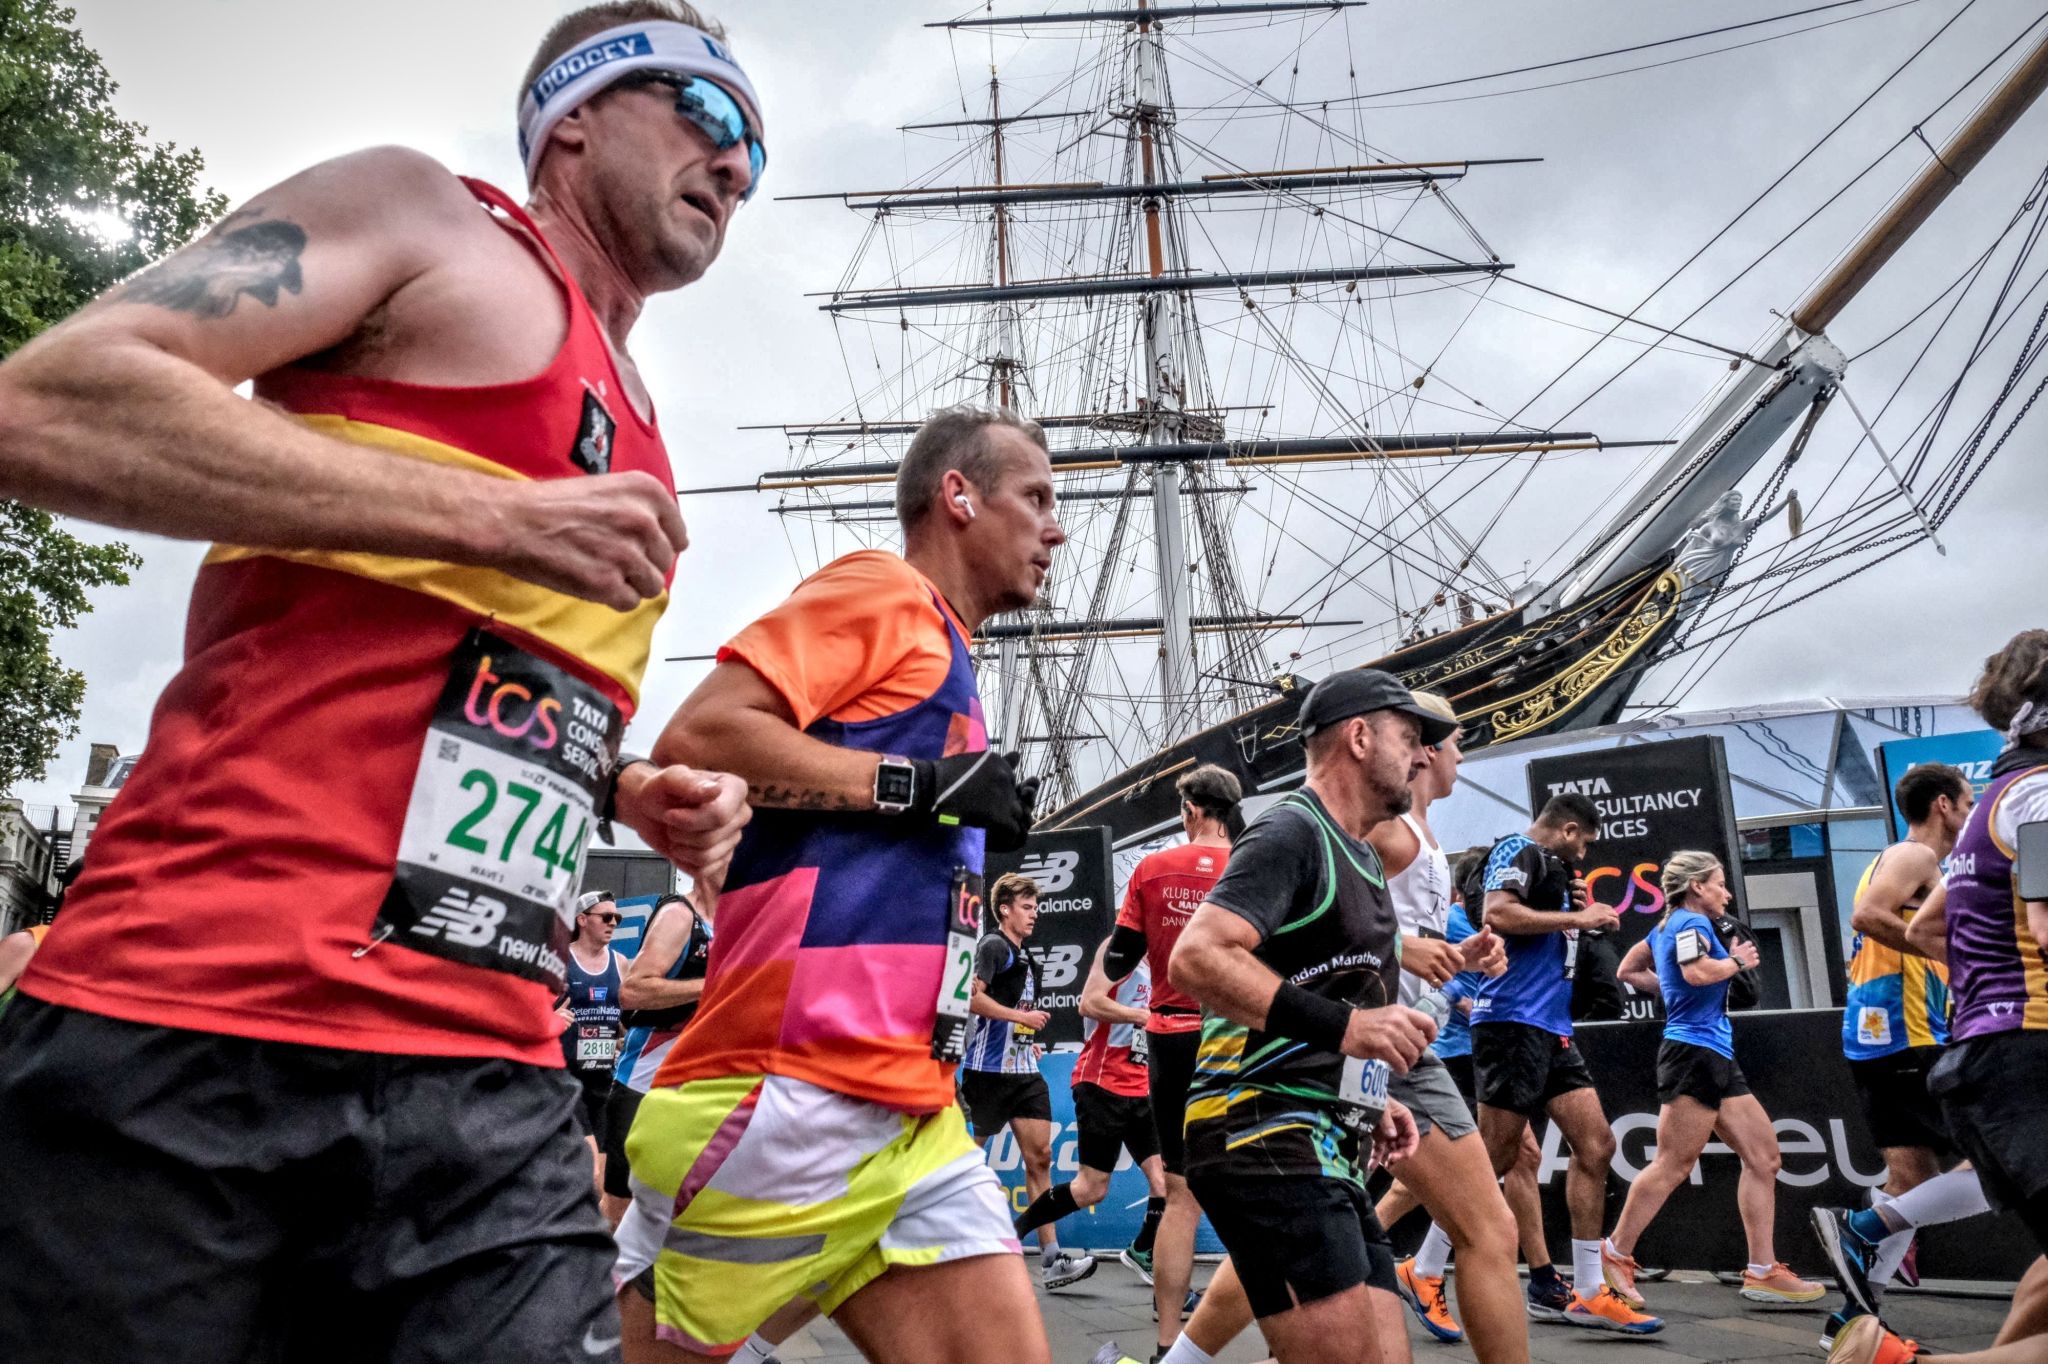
1923	785
2014	675
1010	886
954	438
1210	788
592	20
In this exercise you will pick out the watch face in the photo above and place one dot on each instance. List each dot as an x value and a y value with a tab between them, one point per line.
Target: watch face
893	783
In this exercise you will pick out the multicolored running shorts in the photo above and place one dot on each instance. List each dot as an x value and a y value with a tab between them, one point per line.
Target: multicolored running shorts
750	1191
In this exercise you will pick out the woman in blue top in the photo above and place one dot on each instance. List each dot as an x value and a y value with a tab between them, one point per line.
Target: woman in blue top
1698	1083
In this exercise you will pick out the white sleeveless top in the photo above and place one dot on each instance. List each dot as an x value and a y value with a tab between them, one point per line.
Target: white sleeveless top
1422	898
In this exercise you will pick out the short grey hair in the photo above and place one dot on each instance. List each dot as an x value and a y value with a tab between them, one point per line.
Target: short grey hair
954	438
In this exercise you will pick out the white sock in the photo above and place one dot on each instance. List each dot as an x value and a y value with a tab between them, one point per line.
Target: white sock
1586	1276
754	1351
1185	1351
1944	1198
1435	1253
1760	1271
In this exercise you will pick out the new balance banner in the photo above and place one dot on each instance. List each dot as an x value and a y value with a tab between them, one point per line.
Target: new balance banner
1654	800
1076	906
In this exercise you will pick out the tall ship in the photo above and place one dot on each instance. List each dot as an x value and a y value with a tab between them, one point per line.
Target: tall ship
1255	340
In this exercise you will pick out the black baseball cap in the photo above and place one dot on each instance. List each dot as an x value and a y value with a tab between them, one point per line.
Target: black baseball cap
1359	690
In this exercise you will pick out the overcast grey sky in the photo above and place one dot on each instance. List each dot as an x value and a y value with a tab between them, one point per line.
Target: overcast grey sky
1638	171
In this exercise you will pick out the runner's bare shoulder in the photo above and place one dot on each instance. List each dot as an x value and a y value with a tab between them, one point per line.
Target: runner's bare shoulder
297	269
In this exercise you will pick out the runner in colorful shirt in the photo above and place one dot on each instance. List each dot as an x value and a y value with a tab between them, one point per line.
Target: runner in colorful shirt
802	1137
341	877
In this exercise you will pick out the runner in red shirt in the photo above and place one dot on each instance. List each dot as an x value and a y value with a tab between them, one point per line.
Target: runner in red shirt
1165	890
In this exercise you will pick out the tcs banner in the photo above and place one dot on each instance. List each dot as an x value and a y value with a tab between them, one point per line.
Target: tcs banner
1654	799
1076	906
1973	751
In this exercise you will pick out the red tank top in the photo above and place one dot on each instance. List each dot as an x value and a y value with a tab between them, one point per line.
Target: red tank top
323	842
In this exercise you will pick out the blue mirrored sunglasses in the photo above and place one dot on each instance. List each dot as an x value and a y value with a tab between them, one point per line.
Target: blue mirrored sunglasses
711	107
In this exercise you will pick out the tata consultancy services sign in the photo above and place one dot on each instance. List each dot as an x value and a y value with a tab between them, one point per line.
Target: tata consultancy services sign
1654	799
1971	750
1076	904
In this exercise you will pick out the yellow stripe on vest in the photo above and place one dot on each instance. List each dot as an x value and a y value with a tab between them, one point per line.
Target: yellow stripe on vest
615	643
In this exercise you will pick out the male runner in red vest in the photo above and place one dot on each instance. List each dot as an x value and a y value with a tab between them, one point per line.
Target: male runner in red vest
285	1081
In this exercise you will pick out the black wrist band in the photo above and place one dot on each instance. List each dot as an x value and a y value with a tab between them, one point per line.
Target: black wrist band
1305	1017
608	806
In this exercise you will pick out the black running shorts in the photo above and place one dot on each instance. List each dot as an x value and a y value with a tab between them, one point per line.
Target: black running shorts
1296	1238
1994	1091
594	1093
187	1198
1111	1123
994	1098
1521	1068
1693	1072
1896	1103
1171	1065
619	1107
1460	1068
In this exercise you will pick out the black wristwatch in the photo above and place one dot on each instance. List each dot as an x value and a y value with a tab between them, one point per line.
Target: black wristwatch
608	800
895	785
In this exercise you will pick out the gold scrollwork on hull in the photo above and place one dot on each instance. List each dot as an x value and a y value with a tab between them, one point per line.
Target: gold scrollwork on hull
1537	707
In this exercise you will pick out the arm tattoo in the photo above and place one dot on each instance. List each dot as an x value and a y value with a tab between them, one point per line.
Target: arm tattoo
245	254
796	798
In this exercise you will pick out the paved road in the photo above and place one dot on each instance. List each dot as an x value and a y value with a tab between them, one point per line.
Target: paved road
1706	1322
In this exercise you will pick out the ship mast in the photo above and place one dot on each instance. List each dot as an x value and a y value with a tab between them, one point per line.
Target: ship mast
1163	389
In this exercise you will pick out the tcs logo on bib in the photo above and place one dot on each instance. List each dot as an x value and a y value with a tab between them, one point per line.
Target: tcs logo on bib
509	708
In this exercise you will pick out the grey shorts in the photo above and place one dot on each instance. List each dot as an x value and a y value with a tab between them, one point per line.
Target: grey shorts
1433	1097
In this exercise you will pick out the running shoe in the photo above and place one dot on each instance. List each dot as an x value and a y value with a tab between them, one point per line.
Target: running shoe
1426	1298
1838	1319
1138	1261
1849	1253
1866	1340
1187	1309
1067	1267
1909	1265
1111	1353
1781	1285
1607	1312
1620	1273
1548	1298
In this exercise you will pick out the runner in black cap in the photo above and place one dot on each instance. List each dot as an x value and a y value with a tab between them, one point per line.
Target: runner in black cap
1295	958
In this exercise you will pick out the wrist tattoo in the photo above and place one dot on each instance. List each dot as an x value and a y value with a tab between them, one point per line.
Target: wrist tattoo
245	254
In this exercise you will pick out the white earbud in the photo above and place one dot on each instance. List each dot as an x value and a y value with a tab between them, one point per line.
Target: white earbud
965	505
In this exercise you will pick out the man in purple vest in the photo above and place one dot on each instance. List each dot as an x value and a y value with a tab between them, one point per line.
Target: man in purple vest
1993	1083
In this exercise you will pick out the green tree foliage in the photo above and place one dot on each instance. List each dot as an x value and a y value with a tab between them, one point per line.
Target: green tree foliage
69	168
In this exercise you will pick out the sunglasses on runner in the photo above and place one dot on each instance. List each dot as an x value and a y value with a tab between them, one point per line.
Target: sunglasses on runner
708	105
611	919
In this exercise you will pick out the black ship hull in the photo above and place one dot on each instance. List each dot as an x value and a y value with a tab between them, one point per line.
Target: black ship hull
1507	677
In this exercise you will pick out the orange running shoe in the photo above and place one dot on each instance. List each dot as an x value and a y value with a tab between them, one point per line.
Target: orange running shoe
1607	1312
1866	1340
1426	1297
1781	1285
1620	1273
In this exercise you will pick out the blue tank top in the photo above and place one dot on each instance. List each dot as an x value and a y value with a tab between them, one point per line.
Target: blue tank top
591	1044
1455	1037
1694	1014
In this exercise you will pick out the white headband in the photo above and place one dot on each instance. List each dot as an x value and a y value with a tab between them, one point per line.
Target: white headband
659	45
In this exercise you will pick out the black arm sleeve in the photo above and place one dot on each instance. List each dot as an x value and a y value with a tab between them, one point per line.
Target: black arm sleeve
1278	860
1126	950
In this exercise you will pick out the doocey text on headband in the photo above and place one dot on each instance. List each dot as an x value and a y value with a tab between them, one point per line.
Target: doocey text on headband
660	45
